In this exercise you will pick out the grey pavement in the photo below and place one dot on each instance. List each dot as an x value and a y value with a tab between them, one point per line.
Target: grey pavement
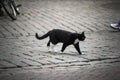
23	57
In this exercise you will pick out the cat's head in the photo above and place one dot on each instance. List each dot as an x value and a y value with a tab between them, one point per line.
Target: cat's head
82	36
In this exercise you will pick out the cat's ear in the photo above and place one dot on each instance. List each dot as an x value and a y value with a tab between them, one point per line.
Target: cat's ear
83	33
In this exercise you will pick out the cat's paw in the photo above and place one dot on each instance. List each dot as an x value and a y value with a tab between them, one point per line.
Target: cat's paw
49	50
60	52
57	51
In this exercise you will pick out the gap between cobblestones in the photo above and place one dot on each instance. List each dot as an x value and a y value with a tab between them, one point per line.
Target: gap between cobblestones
68	64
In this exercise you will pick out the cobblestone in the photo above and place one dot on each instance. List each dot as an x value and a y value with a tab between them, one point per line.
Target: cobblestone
23	57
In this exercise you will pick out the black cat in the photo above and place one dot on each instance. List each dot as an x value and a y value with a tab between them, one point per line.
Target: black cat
65	37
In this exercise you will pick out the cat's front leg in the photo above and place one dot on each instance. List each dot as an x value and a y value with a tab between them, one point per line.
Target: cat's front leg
77	48
63	47
48	45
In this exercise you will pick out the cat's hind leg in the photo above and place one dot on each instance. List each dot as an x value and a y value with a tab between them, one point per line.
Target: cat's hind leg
53	44
53	48
48	45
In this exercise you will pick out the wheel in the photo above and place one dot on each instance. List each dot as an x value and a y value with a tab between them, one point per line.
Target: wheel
15	7
10	9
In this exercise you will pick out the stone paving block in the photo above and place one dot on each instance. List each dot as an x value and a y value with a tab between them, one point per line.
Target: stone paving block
17	28
5	32
6	64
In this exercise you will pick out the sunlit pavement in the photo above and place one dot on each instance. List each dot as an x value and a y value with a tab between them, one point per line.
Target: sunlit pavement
23	57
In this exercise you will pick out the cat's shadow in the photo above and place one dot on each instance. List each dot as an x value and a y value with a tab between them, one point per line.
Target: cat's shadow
57	53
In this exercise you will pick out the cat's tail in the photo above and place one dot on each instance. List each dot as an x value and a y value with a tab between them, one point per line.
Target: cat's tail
41	37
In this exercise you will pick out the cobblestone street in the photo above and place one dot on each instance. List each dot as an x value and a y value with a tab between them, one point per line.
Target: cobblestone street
23	57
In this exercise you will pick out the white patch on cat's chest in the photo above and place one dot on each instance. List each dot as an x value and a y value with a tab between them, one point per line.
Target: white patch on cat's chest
76	41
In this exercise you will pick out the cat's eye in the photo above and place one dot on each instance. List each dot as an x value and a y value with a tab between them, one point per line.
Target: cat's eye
83	37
